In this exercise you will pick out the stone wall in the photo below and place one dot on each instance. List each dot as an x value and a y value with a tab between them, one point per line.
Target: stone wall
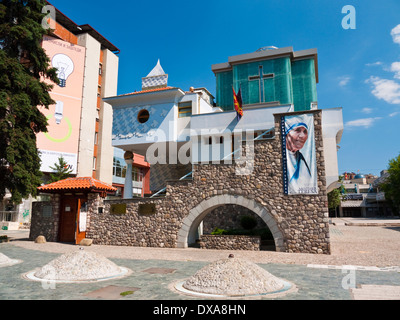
228	242
45	219
299	223
133	228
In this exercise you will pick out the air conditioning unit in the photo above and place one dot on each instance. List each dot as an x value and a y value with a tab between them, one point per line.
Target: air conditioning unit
314	105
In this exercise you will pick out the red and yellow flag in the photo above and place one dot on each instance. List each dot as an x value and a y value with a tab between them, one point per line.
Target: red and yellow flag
237	102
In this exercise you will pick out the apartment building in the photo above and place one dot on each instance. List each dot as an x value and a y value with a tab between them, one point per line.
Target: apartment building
80	122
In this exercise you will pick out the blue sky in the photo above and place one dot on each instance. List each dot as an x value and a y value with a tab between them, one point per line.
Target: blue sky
359	69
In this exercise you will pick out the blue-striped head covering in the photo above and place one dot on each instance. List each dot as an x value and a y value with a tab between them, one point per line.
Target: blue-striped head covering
298	124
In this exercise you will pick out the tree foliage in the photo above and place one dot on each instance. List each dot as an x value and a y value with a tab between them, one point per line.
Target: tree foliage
335	196
391	186
23	66
61	170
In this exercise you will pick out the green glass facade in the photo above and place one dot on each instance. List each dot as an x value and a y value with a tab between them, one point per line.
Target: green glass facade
304	84
276	81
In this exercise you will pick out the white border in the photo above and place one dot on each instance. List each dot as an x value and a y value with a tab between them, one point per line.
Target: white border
287	288
31	276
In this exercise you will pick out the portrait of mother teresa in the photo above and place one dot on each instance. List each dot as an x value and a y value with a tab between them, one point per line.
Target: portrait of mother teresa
300	154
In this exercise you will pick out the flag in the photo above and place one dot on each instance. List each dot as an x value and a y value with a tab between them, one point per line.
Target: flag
237	101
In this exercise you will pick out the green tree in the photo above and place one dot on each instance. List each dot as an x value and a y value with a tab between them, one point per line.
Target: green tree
23	66
335	196
391	186
61	170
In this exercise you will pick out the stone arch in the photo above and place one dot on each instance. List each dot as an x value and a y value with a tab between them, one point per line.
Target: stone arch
187	233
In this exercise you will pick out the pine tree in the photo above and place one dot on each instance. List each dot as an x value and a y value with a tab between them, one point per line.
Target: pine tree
23	66
61	170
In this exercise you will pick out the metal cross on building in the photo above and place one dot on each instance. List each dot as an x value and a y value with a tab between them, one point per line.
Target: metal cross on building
260	78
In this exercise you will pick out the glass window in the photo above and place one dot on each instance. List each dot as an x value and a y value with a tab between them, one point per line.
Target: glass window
184	109
118	168
208	140
137	192
137	174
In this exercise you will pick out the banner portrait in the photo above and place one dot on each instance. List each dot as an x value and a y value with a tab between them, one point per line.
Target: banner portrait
298	153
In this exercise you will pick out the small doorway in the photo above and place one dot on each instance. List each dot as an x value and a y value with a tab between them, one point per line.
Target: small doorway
73	215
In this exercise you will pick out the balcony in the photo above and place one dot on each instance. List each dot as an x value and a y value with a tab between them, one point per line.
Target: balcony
9	220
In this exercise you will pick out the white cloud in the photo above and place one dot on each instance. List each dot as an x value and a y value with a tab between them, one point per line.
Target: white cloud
384	89
378	63
366	122
394	114
395	33
367	110
395	67
343	81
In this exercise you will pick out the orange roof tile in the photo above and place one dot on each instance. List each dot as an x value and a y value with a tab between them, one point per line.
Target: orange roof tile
150	90
78	183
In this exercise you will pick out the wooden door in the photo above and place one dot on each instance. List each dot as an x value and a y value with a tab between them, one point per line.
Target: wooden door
68	219
81	220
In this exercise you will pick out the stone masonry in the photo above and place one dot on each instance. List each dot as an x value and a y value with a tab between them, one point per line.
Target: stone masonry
226	242
45	219
299	223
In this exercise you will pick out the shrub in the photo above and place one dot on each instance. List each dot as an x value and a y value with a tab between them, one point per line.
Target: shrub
218	231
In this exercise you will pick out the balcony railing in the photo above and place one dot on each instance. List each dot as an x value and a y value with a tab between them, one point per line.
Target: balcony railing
9	216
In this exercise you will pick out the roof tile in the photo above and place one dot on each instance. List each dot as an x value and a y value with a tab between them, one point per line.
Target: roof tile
149	90
81	183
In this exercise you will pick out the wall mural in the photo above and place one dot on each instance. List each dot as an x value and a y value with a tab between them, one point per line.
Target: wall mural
126	124
62	137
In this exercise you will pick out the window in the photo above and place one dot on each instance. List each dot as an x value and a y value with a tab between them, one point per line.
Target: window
137	192
118	169
94	163
184	109
208	140
137	174
143	116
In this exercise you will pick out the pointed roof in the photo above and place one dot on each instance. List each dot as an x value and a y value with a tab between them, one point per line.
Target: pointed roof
86	184
157	70
157	78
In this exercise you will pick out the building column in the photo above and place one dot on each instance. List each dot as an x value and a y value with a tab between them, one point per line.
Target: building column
128	176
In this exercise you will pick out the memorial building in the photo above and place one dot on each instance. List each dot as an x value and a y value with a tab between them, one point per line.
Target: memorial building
262	147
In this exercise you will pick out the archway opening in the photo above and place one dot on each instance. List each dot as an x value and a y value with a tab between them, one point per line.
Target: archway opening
233	219
192	225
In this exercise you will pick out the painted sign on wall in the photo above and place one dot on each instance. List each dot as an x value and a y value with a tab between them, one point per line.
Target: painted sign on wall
62	137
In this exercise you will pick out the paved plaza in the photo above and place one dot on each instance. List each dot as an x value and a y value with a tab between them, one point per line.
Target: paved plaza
364	264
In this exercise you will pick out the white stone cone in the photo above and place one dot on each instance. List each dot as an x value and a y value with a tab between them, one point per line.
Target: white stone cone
233	277
79	265
6	261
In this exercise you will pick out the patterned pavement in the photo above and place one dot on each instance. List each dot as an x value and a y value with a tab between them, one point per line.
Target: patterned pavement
316	277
